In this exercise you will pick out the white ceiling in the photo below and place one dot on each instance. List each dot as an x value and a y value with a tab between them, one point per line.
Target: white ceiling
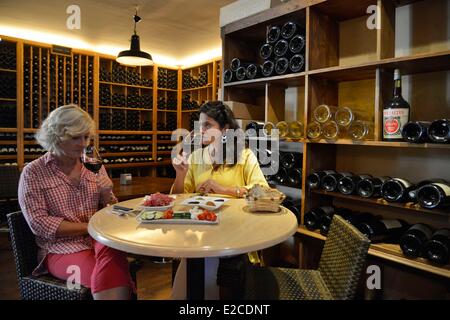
171	30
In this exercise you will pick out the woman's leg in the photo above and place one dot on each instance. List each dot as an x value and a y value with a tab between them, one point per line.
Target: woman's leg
179	282
110	278
78	266
211	288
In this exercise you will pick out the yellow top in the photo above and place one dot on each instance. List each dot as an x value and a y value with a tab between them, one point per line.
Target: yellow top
244	174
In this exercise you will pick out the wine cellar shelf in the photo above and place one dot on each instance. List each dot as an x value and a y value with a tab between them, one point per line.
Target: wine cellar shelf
339	73
390	252
133	107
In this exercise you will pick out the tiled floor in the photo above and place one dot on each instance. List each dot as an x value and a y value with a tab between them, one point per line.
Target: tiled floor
153	279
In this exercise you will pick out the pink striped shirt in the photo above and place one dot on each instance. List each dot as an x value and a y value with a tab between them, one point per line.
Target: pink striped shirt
47	197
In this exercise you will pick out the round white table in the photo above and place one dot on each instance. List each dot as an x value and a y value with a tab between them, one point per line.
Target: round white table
238	231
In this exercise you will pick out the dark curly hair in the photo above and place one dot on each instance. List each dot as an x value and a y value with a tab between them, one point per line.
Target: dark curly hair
224	116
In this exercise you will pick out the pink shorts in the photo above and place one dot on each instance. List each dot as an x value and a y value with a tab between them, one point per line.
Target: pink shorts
101	268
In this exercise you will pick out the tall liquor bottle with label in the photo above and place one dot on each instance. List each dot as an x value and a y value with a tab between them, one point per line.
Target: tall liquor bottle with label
396	112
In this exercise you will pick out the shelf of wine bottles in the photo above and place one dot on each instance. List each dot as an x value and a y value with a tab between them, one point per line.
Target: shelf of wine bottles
8	136
191	80
8	59
416	240
114	119
124	138
282	53
8	85
133	99
127	159
167	122
112	72
289	165
167	102
124	148
167	78
187	103
431	195
52	80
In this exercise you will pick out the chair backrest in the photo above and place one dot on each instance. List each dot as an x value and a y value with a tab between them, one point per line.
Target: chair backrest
343	258
23	244
9	182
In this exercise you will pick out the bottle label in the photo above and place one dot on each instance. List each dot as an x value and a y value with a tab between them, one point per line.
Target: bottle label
393	122
444	187
391	224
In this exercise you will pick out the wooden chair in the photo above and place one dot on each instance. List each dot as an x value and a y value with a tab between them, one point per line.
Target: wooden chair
341	264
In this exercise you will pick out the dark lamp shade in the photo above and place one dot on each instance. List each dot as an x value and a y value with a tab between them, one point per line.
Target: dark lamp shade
134	56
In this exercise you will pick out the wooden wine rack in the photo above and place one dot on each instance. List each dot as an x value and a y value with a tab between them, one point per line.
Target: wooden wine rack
46	78
348	64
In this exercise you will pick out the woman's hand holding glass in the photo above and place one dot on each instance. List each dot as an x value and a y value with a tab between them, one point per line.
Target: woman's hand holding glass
105	187
180	164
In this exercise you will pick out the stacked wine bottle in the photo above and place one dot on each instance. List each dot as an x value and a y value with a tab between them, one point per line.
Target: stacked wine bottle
167	78
289	167
429	194
189	104
51	80
437	131
291	130
331	123
282	53
192	81
418	240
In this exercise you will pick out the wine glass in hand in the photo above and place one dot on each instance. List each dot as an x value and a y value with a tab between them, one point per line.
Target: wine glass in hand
91	159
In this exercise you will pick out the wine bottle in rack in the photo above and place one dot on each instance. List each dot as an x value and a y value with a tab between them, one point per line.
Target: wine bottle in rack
291	160
396	112
348	185
412	242
439	131
268	68
297	43
241	73
273	34
396	190
290	28
294	177
281	48
236	63
437	249
297	63
266	51
313	217
331	181
380	230
281	65
434	195
416	131
228	76
253	71
314	180
370	187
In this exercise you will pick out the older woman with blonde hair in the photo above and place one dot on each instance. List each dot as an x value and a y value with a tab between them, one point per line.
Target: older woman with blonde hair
58	196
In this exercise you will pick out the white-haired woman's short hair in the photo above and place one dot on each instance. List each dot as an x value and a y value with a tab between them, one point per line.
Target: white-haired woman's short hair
62	124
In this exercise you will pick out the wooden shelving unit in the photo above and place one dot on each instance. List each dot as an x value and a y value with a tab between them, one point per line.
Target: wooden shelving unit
348	64
199	84
45	80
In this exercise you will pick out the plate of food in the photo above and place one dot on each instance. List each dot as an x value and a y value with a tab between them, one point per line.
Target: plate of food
157	202
194	216
205	202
